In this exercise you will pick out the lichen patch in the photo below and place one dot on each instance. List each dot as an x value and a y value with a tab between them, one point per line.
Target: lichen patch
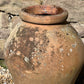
18	53
71	50
61	50
31	39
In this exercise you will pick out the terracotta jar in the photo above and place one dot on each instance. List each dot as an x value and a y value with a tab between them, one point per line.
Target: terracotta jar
45	49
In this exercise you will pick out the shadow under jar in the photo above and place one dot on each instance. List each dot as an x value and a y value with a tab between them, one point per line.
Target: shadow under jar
44	49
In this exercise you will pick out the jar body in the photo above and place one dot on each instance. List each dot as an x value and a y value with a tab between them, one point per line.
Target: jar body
44	54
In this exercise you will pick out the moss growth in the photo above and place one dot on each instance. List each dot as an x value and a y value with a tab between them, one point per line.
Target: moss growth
2	63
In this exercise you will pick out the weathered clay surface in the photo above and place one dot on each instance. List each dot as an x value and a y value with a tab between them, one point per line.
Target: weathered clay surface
76	13
43	14
43	50
33	50
14	7
76	9
7	23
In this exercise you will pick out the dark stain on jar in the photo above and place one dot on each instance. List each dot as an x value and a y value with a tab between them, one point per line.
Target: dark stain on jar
26	48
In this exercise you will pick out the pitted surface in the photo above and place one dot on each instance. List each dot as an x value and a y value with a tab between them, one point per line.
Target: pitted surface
44	53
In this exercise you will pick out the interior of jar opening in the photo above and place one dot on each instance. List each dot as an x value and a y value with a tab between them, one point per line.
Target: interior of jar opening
43	10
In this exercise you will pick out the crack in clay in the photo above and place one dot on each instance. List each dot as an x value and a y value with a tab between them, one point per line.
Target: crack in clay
9	13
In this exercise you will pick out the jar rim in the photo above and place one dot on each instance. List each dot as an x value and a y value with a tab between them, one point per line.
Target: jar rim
44	14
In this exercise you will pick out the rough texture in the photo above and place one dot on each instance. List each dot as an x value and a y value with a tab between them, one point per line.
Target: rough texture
11	8
36	49
46	14
4	21
15	6
79	28
6	29
74	7
2	43
5	76
77	6
4	2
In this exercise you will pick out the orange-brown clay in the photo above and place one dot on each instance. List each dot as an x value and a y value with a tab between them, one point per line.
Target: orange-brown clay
44	54
42	14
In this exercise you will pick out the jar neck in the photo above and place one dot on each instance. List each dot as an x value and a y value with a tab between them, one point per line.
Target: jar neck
41	14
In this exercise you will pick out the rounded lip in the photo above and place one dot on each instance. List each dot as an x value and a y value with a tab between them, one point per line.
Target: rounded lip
39	19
